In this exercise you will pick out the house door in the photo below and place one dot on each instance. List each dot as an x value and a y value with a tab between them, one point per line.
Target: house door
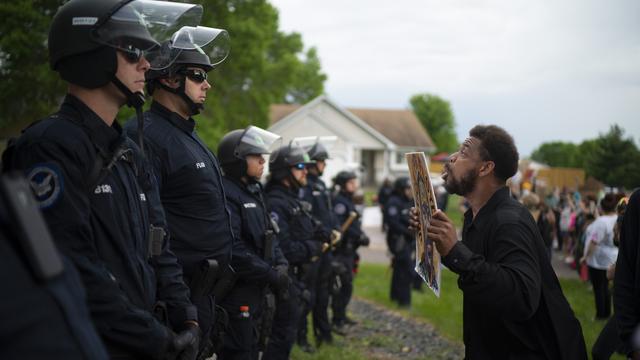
368	168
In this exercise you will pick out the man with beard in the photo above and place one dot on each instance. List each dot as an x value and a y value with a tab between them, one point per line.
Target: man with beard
513	304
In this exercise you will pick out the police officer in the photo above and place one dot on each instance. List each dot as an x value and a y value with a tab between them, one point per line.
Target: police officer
188	174
42	305
400	240
345	254
257	260
319	196
97	194
296	239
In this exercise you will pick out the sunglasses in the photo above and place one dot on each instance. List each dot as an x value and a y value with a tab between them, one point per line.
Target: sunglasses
299	166
131	53
197	76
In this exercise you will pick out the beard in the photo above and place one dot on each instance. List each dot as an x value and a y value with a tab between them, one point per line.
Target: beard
463	186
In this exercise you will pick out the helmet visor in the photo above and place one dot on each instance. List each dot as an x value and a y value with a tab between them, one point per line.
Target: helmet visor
144	24
258	141
212	42
317	144
298	154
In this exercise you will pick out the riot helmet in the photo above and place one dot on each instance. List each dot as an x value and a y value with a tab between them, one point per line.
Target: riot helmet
201	47
237	144
400	185
85	34
289	156
343	177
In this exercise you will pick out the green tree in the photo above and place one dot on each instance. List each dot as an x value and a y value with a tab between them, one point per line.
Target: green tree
615	159
437	118
558	153
28	88
265	66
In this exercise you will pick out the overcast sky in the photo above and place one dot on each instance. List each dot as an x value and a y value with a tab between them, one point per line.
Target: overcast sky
544	70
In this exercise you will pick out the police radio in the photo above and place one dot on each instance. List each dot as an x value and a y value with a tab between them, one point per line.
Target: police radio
26	222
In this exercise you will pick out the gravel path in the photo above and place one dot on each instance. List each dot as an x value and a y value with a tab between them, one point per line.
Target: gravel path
386	334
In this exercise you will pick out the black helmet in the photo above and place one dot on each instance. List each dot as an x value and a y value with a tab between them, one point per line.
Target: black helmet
318	152
343	177
290	155
84	34
401	184
201	47
237	144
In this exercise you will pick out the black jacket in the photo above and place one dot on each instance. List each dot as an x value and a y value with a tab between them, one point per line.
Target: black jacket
342	206
317	194
396	215
102	224
250	220
191	190
296	237
626	290
513	307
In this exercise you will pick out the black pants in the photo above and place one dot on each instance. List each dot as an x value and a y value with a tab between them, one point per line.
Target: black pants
309	279
340	300
601	292
321	325
402	278
285	325
608	341
240	340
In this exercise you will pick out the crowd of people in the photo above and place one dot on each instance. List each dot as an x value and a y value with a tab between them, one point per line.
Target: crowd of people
146	244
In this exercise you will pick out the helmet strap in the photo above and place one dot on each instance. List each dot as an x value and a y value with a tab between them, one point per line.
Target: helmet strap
136	101
194	108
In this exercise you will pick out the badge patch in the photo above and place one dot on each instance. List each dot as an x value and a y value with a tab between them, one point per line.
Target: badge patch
249	205
393	211
46	183
274	216
340	209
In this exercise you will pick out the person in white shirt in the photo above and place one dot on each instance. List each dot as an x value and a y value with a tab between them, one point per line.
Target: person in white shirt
600	254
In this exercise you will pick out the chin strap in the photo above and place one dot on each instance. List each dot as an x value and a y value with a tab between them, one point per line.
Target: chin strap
136	101
194	108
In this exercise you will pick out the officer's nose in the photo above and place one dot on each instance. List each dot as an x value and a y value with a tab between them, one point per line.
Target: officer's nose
453	157
206	85
144	64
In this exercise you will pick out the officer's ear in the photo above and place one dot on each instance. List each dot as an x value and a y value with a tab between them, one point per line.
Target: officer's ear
172	82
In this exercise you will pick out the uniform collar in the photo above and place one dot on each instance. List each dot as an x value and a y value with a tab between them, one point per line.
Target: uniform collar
186	125
484	215
104	136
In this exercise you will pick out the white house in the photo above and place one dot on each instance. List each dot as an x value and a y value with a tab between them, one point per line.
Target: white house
371	141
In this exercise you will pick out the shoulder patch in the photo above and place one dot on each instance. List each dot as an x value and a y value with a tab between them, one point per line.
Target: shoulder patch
274	216
46	183
392	211
340	209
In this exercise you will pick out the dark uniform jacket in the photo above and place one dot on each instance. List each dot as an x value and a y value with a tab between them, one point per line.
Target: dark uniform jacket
191	190
396	215
296	236
42	319
250	220
317	194
513	307
626	291
101	221
342	207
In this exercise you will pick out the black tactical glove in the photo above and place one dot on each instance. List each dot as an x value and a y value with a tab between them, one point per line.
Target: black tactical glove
281	281
184	345
283	273
363	240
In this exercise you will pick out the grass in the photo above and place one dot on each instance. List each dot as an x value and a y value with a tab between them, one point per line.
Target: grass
445	313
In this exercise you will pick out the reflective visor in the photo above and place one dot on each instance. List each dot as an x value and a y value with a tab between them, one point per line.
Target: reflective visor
144	24
212	42
258	141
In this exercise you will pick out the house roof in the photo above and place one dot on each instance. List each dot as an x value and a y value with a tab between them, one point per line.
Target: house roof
402	127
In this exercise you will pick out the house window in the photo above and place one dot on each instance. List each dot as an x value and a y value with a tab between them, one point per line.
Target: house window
400	159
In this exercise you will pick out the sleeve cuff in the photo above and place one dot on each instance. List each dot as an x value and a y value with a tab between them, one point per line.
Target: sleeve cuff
458	258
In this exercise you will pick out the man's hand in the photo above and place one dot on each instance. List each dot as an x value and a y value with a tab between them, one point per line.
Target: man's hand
442	232
414	219
185	344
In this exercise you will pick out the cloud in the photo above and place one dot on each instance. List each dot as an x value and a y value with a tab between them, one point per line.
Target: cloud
568	68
